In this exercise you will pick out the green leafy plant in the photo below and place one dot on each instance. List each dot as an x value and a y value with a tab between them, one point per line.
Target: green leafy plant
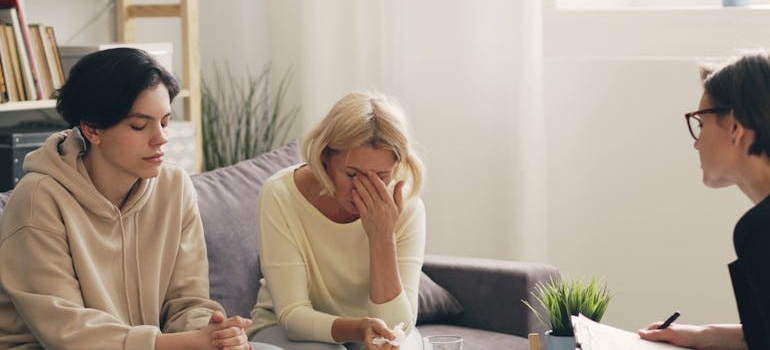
242	117
563	298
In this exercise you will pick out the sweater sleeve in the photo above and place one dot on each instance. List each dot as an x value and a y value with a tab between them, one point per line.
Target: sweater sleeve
38	277
283	266
282	255
410	242
187	305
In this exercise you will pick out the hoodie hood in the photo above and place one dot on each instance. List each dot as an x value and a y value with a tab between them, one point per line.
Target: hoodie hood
60	158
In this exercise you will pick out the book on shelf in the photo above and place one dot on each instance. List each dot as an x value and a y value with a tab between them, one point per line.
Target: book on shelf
15	65
9	81
38	51
9	16
29	64
51	48
3	90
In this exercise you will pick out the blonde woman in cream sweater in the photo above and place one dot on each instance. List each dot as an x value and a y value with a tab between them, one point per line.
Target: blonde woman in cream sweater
342	236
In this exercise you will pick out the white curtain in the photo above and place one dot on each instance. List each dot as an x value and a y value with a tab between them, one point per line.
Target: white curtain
469	75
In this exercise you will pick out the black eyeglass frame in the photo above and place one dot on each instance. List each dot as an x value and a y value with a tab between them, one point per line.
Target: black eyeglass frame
687	116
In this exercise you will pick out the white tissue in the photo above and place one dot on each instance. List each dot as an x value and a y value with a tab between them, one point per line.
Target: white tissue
398	330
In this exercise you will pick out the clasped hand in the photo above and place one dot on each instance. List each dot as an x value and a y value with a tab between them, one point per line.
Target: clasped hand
227	333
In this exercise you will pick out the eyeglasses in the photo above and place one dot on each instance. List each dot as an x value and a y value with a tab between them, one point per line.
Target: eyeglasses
694	122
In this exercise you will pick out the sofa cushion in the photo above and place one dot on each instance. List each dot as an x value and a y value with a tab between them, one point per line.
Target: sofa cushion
227	199
434	302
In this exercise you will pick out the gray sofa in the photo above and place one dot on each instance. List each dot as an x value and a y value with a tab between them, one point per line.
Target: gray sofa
479	299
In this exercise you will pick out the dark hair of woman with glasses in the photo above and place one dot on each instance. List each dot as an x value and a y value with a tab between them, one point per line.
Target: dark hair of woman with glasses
732	135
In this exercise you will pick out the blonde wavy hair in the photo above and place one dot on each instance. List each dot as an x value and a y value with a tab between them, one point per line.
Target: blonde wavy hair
364	119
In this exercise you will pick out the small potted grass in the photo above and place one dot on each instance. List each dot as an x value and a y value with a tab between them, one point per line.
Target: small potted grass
563	298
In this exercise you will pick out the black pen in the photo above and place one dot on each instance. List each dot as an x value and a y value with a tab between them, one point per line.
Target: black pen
669	320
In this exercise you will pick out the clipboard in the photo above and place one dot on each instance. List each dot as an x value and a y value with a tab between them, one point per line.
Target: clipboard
592	335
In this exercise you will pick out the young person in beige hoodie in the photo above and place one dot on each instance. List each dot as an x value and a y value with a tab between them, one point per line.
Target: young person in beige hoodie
101	244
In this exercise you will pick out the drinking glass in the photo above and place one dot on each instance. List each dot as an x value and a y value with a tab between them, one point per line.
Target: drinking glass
443	342
736	3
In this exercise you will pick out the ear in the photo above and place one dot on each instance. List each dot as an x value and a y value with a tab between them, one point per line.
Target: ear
92	134
325	158
737	132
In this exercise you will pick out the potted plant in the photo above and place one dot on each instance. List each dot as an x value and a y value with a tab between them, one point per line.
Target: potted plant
563	298
242	116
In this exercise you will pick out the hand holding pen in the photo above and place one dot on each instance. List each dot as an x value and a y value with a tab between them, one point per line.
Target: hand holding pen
656	331
686	336
669	320
717	336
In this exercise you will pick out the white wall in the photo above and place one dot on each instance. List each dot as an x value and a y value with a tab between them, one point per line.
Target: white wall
601	179
470	80
625	198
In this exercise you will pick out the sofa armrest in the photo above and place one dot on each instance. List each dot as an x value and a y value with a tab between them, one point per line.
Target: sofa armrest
491	291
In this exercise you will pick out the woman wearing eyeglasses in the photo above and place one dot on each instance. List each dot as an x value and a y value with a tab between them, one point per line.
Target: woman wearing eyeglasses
732	135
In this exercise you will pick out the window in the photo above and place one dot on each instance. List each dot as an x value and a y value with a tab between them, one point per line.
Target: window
615	4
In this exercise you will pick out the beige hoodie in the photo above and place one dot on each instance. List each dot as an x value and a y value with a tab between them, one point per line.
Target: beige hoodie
76	273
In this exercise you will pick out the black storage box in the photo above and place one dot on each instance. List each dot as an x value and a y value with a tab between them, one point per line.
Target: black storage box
15	142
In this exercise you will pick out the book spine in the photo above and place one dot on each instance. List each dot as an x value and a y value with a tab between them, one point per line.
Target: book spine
7	63
38	53
56	55
10	33
49	64
35	89
7	74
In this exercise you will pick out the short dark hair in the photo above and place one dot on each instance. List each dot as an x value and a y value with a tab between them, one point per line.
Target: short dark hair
102	86
743	85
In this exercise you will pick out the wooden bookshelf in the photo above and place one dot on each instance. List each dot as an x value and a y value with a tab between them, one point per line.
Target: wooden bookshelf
187	12
27	105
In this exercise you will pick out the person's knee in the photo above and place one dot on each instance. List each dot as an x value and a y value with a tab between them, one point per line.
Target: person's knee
276	335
